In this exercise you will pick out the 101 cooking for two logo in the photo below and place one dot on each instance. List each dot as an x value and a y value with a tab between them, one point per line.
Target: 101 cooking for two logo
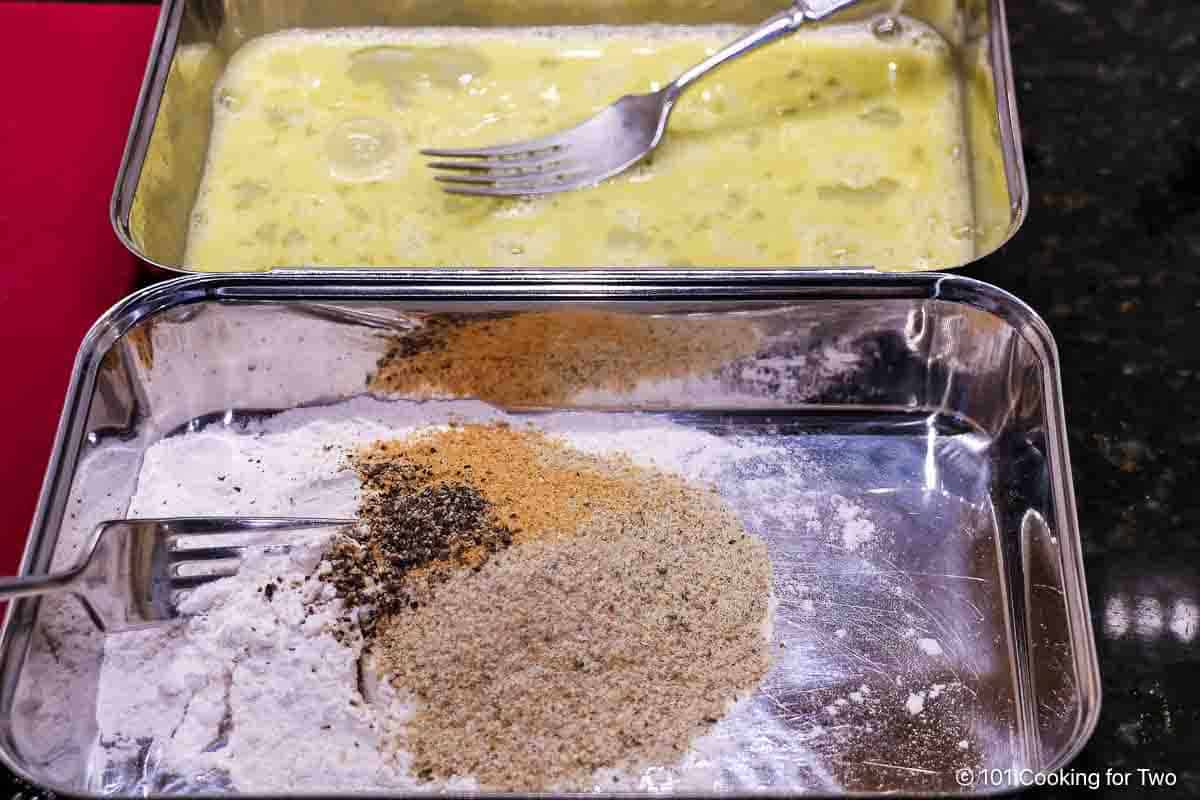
1011	777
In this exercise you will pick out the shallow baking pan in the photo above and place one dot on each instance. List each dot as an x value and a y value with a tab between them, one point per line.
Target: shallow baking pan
165	155
931	401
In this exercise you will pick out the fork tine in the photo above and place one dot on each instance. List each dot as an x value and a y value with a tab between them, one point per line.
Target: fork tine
508	190
201	545
486	192
204	570
202	554
511	180
559	157
193	581
210	528
531	146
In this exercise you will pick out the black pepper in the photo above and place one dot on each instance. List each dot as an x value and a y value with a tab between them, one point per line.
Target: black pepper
408	525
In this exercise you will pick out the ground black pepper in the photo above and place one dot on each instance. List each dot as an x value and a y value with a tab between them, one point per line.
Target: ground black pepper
412	532
589	616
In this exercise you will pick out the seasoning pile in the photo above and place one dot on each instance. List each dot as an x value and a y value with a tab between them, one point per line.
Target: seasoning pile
254	690
552	613
543	358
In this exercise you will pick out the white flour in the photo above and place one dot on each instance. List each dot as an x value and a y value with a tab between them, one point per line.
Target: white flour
258	696
930	647
856	529
259	690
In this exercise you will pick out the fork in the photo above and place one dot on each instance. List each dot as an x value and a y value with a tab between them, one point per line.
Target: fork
610	142
131	569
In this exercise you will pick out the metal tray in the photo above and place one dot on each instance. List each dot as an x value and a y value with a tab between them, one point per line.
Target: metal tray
168	141
931	400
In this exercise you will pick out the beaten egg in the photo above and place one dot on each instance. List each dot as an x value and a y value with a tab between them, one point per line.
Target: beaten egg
836	147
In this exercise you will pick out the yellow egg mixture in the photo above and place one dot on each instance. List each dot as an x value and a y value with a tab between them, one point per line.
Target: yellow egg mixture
830	148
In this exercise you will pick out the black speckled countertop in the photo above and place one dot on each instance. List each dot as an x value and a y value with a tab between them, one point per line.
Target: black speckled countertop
1109	100
1109	97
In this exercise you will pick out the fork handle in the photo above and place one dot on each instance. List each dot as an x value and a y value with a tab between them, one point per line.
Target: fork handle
32	585
778	26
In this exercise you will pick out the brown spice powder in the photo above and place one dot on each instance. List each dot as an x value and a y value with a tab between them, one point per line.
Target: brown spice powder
543	358
536	487
448	499
627	615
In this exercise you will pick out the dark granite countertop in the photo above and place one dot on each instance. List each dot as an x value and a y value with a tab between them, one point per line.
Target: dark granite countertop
1109	99
1110	256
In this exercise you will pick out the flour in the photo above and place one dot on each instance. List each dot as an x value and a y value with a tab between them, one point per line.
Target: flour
855	529
254	695
930	647
258	693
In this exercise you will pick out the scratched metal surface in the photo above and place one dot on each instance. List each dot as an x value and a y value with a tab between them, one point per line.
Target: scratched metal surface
892	656
909	479
892	663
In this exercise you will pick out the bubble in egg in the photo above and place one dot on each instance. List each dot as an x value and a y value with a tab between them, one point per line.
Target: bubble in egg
361	149
886	28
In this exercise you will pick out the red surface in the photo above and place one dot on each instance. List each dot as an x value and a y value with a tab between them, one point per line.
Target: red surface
70	75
